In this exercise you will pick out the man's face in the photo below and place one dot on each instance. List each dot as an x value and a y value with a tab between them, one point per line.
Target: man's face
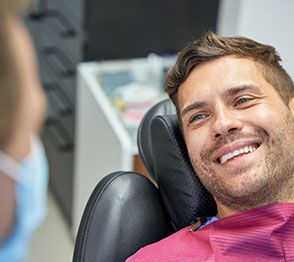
239	133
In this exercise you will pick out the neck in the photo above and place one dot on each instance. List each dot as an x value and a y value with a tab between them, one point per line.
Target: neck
285	195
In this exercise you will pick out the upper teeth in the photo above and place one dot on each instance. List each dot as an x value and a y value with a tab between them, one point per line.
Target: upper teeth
237	152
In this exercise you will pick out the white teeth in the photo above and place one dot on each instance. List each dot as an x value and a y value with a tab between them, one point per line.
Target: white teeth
237	152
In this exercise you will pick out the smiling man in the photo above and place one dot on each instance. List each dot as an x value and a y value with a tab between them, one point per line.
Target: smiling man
239	132
235	105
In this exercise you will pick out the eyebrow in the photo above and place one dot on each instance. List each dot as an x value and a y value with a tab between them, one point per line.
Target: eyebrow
238	89
233	91
193	106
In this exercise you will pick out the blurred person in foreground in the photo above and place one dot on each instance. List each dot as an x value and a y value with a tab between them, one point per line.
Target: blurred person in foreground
23	165
235	105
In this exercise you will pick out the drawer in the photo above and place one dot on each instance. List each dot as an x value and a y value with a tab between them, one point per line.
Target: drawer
60	99
64	133
68	123
47	76
58	102
58	135
35	28
60	79
59	20
72	10
61	128
65	37
58	62
61	175
68	84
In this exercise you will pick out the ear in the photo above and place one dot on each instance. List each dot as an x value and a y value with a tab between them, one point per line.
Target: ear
291	105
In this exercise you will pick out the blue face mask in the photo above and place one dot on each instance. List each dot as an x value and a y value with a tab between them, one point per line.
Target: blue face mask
31	176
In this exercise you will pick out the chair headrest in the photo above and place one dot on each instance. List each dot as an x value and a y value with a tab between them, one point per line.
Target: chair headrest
164	154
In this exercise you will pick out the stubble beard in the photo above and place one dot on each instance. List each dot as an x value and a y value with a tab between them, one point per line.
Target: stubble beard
271	181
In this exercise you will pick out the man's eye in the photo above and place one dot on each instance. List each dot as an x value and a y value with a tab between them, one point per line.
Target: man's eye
198	117
243	100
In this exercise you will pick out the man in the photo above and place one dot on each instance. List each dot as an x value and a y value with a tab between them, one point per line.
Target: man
235	105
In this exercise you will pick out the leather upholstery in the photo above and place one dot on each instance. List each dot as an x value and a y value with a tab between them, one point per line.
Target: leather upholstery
164	107
162	147
182	192
124	213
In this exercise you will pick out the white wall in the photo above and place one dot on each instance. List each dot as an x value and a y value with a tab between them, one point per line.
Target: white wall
266	21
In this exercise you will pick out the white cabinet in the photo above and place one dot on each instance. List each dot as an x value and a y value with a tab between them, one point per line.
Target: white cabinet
105	142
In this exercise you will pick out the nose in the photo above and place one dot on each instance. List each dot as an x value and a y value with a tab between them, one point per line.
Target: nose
226	121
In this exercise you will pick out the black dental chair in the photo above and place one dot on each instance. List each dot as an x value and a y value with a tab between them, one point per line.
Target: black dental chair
126	211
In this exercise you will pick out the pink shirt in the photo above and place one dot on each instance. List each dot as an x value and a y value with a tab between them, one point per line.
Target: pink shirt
260	235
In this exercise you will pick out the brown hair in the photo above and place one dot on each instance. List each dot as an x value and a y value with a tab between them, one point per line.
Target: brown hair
211	46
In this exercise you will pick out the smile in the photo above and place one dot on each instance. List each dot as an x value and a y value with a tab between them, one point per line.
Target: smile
236	149
237	152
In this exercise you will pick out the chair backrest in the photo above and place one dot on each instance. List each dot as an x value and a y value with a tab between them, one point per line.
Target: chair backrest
123	214
163	152
126	211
